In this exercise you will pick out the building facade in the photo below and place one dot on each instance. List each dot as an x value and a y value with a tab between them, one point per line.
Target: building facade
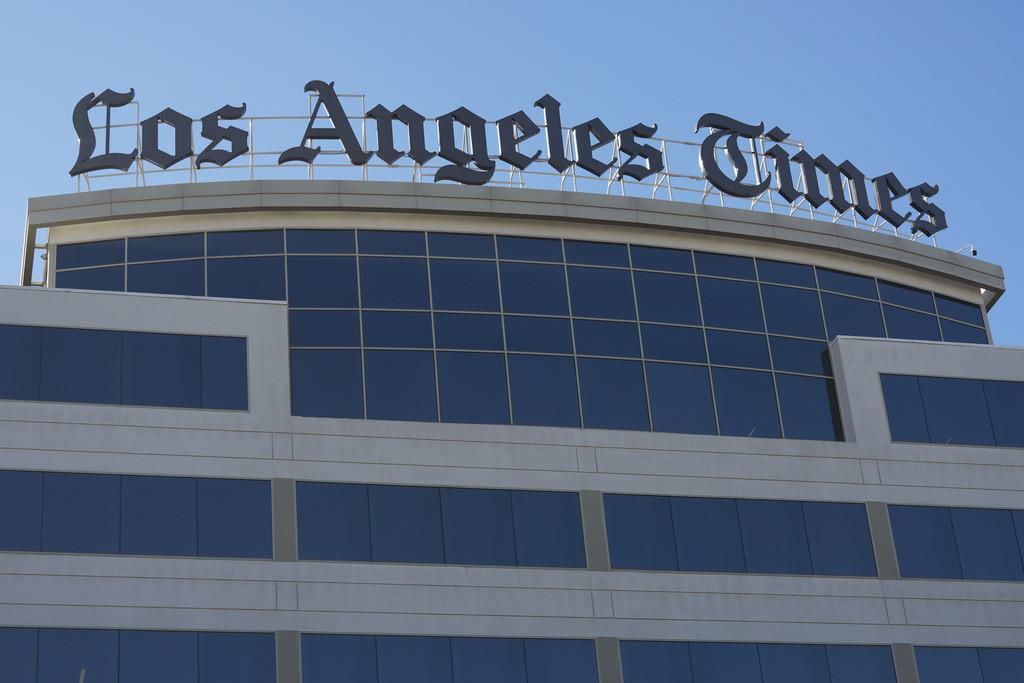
328	431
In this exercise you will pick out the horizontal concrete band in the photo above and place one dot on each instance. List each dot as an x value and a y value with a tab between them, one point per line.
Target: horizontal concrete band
535	205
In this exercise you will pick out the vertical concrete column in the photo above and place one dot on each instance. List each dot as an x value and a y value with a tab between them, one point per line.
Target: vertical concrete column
609	661
289	657
594	535
906	665
282	496
882	541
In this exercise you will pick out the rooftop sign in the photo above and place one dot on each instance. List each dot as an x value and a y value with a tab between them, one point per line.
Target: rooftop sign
737	159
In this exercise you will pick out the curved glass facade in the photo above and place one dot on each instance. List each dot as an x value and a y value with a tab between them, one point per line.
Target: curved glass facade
425	326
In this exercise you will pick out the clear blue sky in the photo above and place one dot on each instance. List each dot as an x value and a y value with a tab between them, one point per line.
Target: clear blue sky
931	90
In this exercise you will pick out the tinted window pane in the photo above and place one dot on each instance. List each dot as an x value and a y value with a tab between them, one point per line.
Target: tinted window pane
464	285
903	324
225	374
738	348
724	265
1001	665
20	348
478	527
905	408
161	370
559	661
533	288
785	273
164	247
956	411
948	665
397	330
724	663
392	242
906	296
186	278
244	242
158	657
680	398
234	518
394	282
599	338
596	253
663	342
543	391
321	242
413	659
322	281
654	258
730	304
333	521
986	542
859	663
640	532
18	654
246	278
548	529
81	513
551	335
646	662
472	387
1004	400
800	355
104	279
793	663
959	310
809	408
529	249
400	385
774	537
495	660
325	658
405	524
792	311
158	515
64	653
323	328
965	334
924	542
707	534
327	384
450	244
856	317
467	331
839	539
667	298
237	658
847	283
746	403
613	394
91	254
601	293
21	511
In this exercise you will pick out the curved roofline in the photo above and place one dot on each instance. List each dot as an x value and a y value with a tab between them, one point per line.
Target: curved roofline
354	195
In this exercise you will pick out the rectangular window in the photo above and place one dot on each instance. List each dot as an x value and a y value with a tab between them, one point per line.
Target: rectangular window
548	529
664	298
184	278
724	265
330	658
20	349
461	285
746	403
774	537
596	254
161	370
320	241
640	532
539	335
468	331
405	524
167	247
739	349
847	283
783	273
393	242
948	665
601	293
234	518
529	249
791	311
109	279
21	510
472	387
724	662
925	544
908	297
613	394
400	385
158	657
839	539
158	516
463	246
809	408
543	390
657	258
959	310
81	366
90	254
244	242
680	398
65	653
322	281
478	527
333	521
260	277
560	661
986	543
790	663
731	304
707	533
18	654
225	373
81	513
326	383
901	323
495	660
323	328
1004	400
653	662
856	317
602	338
237	658
392	329
393	282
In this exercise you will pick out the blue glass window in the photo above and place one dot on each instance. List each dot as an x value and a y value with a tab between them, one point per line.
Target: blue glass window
1001	665
651	662
333	521
986	542
225	373
925	545
847	283
466	246
956	411
640	532
65	653
548	529
859	663
529	249
468	331
667	298
400	385
792	663
731	304
323	328
959	310
809	408
405	524
158	657
905	408
324	281
237	658
184	278
459	285
965	334
244	242
857	317
680	398
543	390
413	659
784	273
90	254
478	526
948	665
327	657
158	516
724	265
738	348
613	394
161	370
81	513
166	247
746	403
18	654
792	311
909	297
495	660
246	278
544	335
601	293
839	539
395	242
313	241
21	511
901	323
559	661
774	536
81	366
724	662
533	288
391	329
327	383
1004	400
707	533
596	253
394	282
800	355
20	347
109	279
665	342
234	518
601	338
472	387
656	258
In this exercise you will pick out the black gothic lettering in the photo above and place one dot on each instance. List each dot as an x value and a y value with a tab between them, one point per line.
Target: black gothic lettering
87	136
215	133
